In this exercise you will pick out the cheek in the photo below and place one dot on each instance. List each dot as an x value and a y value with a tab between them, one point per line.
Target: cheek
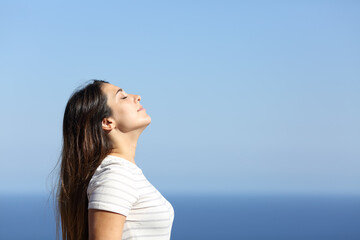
126	115
128	120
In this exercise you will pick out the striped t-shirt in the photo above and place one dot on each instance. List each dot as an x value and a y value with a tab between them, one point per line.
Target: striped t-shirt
120	186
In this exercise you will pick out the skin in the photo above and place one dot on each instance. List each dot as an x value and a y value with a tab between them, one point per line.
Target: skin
124	128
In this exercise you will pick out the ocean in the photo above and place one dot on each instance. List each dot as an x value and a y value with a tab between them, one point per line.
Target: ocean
212	216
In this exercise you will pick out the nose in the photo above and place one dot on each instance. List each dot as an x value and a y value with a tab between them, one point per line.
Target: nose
138	98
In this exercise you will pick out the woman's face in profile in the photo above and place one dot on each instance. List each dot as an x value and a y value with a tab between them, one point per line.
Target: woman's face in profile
125	108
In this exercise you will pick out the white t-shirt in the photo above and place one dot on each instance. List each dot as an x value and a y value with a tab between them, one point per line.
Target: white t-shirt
120	186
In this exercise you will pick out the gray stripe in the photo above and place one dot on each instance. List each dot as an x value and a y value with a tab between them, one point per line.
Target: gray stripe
132	228
113	195
121	172
109	180
150	199
152	220
123	175
148	193
111	203
141	180
127	192
156	212
118	170
150	206
149	185
159	235
99	171
111	171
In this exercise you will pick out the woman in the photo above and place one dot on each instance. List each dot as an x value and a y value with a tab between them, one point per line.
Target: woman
102	193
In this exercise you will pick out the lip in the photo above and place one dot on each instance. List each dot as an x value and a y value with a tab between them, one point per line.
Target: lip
140	109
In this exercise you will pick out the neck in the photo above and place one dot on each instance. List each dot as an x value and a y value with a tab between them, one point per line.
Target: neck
128	155
124	144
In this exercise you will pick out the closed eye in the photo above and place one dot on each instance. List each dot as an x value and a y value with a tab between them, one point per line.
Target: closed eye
124	97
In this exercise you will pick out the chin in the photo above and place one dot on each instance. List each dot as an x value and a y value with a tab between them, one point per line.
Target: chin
149	121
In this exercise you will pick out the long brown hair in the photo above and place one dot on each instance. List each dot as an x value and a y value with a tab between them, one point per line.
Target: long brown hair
85	145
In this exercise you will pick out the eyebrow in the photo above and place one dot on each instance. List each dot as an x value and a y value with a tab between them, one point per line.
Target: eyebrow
119	90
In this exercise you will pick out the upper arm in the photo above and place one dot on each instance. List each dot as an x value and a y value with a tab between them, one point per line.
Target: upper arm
105	225
111	195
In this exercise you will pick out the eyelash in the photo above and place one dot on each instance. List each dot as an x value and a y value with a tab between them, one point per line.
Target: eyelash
124	97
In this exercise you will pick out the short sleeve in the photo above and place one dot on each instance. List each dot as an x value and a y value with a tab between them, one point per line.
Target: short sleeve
112	188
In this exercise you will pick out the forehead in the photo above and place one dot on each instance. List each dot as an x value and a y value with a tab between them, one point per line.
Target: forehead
109	89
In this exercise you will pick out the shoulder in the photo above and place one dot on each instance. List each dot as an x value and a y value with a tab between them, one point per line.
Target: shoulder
115	171
114	186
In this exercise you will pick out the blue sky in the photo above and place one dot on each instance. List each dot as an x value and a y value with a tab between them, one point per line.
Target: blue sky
244	96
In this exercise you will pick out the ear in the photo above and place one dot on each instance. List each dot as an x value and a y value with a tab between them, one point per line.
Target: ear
108	124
